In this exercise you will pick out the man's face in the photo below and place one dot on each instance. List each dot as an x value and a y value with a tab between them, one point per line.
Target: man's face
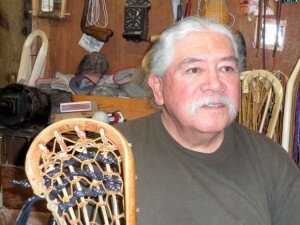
201	88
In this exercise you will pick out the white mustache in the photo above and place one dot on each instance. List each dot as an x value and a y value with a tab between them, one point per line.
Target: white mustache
214	99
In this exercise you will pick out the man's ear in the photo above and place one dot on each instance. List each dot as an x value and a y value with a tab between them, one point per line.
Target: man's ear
156	84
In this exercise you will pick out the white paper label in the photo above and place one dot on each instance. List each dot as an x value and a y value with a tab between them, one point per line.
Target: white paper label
47	5
90	44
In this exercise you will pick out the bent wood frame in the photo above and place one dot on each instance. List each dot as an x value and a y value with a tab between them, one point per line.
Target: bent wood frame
278	91
30	71
33	158
290	88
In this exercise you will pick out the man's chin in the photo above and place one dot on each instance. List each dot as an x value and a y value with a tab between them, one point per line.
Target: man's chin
213	125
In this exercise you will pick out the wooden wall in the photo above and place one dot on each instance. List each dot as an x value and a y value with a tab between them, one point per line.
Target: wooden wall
65	54
11	38
284	60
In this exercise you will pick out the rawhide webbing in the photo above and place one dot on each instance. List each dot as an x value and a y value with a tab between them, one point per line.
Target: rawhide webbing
84	169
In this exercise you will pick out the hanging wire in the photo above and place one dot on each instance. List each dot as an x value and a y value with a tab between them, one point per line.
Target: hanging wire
233	18
199	9
94	13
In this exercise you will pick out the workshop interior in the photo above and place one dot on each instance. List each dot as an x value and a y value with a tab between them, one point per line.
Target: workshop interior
69	64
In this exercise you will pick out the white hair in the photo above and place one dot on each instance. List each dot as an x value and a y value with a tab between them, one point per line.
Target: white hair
161	54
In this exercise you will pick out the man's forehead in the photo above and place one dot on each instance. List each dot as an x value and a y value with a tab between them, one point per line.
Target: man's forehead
189	60
182	62
203	36
197	43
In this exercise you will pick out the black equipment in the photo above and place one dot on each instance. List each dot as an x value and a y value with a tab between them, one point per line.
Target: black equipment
22	105
136	20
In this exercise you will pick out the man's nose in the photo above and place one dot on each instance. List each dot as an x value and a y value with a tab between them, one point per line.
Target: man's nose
213	82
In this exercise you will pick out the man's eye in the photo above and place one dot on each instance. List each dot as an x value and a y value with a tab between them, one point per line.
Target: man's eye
194	70
228	69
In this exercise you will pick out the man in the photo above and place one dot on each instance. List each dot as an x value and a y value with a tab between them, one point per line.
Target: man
194	164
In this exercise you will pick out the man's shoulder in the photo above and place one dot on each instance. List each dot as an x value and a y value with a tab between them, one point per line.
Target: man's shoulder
253	136
138	125
258	143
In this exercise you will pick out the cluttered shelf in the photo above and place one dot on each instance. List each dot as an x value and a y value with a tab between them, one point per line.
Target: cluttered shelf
131	108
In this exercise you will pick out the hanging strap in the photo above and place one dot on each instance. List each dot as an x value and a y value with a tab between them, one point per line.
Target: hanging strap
188	7
179	11
24	214
264	33
258	30
278	17
25	211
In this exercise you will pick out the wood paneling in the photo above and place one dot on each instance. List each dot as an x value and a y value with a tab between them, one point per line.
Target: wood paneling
284	60
65	54
64	35
11	38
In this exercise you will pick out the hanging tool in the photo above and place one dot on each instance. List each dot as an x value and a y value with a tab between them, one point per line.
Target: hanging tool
258	30
99	33
188	7
216	10
278	16
264	33
179	11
